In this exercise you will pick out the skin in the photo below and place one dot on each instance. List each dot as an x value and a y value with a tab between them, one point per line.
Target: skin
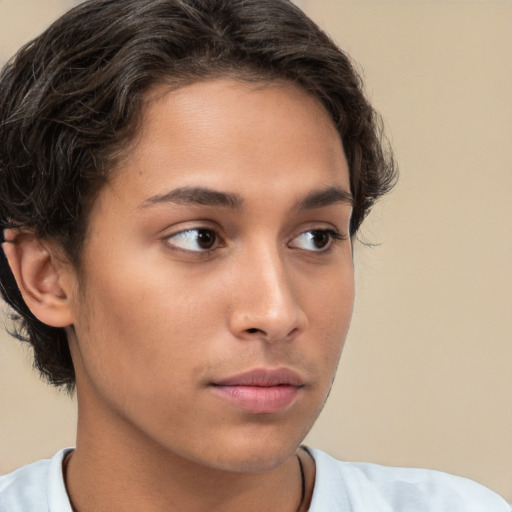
154	317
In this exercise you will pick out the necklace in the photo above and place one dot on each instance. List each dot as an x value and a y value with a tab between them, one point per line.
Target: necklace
303	483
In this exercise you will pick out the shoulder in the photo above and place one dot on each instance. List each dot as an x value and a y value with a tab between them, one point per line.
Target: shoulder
364	487
35	487
25	488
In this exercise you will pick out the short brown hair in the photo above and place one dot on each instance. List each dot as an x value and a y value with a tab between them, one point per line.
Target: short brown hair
71	98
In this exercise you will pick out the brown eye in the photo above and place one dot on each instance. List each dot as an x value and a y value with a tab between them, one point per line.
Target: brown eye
320	239
194	240
206	238
316	240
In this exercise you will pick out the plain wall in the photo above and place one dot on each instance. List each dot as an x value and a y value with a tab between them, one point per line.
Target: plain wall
426	375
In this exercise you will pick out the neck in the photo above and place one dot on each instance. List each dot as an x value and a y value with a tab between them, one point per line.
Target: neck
120	470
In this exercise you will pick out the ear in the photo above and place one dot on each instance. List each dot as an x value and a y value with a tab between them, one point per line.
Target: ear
42	277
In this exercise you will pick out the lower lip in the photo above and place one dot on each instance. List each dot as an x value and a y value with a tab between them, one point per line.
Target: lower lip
259	399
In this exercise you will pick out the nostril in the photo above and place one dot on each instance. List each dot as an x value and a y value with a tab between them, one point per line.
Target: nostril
253	330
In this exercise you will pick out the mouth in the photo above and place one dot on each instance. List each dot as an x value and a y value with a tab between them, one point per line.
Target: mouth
261	390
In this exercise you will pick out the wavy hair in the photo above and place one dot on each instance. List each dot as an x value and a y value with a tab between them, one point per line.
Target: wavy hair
71	100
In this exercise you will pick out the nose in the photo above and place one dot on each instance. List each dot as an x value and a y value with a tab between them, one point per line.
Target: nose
265	304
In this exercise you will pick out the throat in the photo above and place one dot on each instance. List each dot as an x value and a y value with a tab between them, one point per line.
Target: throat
96	485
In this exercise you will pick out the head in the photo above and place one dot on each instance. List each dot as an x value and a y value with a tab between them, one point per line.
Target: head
81	107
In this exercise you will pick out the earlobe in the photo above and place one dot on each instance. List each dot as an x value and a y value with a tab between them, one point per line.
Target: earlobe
41	277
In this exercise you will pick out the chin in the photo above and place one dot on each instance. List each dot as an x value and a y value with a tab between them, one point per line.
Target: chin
255	453
255	462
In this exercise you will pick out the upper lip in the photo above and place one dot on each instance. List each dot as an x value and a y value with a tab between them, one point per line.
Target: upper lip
264	377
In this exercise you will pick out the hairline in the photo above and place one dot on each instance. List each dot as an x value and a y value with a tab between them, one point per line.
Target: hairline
158	90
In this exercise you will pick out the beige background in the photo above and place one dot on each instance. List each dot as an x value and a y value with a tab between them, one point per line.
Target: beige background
426	377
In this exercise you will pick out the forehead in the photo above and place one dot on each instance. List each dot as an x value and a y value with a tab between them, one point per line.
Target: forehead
245	137
241	104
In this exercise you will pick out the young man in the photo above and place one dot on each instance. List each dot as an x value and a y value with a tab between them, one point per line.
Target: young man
181	182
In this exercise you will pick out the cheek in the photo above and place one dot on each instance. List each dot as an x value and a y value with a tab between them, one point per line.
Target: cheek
333	313
156	321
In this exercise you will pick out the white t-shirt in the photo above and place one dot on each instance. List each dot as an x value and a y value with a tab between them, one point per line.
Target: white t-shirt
339	486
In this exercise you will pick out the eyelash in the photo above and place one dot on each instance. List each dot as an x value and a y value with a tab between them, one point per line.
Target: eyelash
183	234
334	237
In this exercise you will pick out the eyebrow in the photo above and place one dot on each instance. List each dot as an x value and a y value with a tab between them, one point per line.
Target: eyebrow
203	196
200	196
326	197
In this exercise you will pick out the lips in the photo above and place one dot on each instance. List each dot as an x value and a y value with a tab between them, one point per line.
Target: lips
260	391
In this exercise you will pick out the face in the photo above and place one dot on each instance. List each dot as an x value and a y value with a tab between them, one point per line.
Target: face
217	273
